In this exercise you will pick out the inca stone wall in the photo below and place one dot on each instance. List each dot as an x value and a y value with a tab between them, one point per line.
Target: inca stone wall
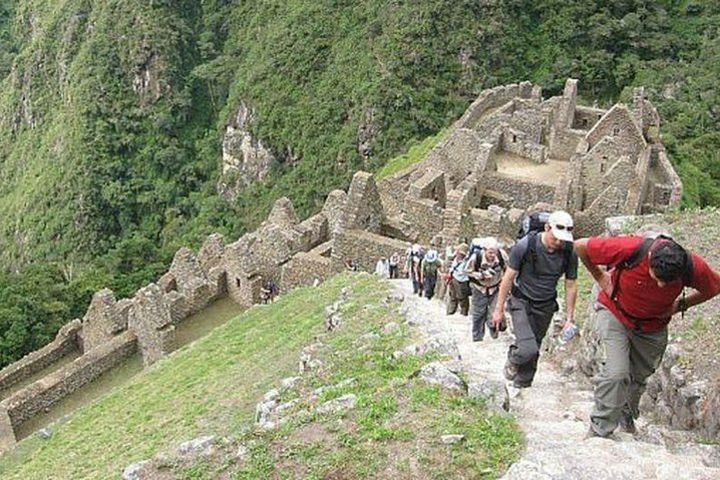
152	323
364	248
65	342
523	192
38	396
305	269
104	319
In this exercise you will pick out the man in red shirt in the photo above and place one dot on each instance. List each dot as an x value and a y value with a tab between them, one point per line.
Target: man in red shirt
634	306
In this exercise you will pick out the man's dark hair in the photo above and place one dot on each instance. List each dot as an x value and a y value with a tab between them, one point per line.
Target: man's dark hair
669	261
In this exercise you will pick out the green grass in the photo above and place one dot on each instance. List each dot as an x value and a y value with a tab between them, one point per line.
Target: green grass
394	430
416	153
212	386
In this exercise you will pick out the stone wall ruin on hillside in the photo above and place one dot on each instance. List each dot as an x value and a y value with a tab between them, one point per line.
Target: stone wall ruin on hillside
511	148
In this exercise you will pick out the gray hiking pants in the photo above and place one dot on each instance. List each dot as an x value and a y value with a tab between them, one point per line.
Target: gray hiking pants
630	357
530	324
482	308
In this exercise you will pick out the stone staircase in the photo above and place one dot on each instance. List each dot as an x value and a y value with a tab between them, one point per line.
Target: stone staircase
553	415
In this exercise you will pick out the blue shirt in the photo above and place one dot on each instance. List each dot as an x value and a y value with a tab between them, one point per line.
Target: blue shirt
458	270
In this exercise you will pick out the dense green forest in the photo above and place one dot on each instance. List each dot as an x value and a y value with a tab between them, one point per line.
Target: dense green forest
112	114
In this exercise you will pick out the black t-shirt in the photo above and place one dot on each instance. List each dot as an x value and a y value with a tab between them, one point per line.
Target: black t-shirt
537	279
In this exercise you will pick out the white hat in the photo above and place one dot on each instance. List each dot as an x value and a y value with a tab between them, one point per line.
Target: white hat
431	255
490	243
561	224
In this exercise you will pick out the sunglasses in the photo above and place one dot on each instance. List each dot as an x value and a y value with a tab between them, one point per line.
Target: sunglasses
569	228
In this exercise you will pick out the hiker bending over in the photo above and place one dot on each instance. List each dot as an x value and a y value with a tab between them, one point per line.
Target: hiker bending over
485	269
636	301
429	272
458	282
535	266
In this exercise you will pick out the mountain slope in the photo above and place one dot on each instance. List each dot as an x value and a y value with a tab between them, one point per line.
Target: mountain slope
112	113
211	387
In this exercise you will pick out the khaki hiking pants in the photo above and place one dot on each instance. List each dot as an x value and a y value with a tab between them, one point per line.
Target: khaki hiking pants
457	297
629	358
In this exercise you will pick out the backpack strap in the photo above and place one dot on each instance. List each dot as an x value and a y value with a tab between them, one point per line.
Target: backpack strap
531	250
636	256
631	261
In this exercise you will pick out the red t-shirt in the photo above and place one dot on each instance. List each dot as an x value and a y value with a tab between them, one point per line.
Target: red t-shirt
638	294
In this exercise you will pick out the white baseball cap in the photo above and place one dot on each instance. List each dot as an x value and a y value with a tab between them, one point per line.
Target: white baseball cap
561	224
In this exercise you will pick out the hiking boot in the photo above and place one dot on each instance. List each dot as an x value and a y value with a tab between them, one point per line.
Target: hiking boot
627	423
510	370
493	333
591	433
503	325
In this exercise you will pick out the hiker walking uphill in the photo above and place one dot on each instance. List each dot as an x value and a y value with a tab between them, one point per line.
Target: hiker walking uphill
485	269
429	272
637	300
535	266
413	268
458	283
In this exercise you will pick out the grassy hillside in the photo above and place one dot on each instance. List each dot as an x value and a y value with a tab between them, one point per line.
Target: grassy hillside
212	386
112	113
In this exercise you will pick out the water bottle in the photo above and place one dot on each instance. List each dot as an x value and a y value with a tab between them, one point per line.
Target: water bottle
569	332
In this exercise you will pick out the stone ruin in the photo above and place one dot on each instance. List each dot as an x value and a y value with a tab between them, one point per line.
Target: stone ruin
510	150
513	149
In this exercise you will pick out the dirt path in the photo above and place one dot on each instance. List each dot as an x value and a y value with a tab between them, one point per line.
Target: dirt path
553	415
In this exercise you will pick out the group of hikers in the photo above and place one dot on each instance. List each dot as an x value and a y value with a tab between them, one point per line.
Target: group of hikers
641	281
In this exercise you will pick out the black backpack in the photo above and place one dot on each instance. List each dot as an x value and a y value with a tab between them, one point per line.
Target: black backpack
534	222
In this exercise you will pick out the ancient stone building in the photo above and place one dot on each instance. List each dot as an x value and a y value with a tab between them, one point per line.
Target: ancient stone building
513	149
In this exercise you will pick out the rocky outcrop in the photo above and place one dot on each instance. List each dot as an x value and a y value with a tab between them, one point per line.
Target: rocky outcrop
245	158
675	397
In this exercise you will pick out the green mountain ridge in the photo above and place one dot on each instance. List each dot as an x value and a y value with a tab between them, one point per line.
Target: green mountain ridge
112	114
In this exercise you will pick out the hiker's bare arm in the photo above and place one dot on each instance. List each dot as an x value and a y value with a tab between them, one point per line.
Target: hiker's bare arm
601	276
570	296
693	298
505	286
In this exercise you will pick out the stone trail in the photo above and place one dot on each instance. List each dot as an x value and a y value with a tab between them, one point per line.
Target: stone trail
553	415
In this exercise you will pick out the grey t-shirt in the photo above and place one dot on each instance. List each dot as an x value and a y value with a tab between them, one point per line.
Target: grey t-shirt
538	280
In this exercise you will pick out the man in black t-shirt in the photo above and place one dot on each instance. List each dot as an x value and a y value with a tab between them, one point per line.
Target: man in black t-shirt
530	281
